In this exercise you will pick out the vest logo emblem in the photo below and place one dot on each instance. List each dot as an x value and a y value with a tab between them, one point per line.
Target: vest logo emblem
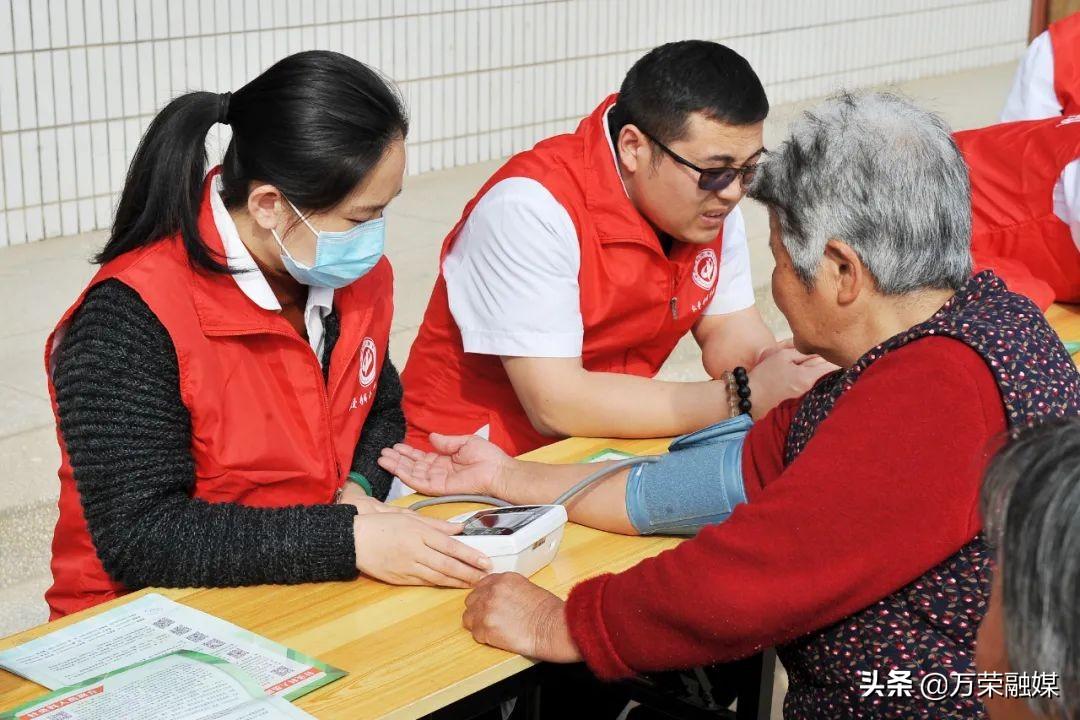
368	361
705	269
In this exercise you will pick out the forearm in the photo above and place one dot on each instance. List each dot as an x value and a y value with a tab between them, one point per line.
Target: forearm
698	483
717	357
181	542
602	505
600	404
730	342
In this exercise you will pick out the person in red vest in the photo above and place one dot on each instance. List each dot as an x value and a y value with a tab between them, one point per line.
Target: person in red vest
1047	83
1025	195
580	264
222	386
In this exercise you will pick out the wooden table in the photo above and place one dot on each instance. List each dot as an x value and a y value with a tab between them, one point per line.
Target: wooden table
1066	320
404	648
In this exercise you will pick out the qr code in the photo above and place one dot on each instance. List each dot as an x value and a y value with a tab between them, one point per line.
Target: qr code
180	630
281	671
237	653
163	623
214	643
196	637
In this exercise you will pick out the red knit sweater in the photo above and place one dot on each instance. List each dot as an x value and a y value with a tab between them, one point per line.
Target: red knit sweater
887	489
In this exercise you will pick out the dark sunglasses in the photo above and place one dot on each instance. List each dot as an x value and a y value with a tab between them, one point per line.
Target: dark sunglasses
711	179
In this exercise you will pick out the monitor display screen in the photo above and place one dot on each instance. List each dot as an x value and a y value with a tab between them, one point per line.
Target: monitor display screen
501	521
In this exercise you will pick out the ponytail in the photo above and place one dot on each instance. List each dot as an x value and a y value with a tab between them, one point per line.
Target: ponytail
163	188
314	125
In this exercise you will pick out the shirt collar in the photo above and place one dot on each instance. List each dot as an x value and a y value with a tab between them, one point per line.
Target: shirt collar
611	145
246	273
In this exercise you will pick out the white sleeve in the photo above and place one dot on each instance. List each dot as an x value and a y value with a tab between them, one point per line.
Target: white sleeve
1067	199
734	286
1032	96
512	275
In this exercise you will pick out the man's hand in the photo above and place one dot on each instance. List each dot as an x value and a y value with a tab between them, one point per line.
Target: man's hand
786	344
783	373
461	465
507	611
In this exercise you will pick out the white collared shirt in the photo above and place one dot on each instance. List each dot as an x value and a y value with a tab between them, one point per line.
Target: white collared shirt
320	300
1032	96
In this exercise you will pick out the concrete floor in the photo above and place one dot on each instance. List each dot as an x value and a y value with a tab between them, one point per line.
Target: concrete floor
38	281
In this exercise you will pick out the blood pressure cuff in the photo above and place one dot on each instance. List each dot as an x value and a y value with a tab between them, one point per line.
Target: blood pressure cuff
699	482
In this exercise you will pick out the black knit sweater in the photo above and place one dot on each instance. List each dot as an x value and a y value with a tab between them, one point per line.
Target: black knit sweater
128	438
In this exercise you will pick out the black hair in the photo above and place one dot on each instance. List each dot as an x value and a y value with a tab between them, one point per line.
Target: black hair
672	81
313	125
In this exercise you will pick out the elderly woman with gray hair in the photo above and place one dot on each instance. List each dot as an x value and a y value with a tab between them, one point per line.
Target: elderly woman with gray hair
843	527
1031	507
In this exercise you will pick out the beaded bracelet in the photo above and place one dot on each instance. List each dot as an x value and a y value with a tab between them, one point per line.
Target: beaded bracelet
733	405
742	382
738	384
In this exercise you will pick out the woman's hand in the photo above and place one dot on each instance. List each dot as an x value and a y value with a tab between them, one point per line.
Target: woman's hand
461	465
353	494
405	548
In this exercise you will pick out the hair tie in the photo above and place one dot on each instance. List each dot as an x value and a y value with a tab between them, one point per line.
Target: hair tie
223	108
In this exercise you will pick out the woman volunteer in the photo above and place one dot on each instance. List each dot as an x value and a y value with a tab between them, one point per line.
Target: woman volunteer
225	373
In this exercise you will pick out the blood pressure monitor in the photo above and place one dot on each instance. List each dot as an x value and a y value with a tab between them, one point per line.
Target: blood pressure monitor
521	538
517	538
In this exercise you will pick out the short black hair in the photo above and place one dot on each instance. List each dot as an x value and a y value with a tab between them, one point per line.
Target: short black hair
672	81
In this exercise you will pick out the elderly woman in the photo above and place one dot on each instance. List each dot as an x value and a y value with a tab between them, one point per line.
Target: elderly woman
858	553
1031	506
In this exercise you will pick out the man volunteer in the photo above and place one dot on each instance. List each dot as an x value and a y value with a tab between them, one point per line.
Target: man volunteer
579	265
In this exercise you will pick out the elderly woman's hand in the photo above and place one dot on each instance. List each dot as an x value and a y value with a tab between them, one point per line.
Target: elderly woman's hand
460	465
509	612
782	373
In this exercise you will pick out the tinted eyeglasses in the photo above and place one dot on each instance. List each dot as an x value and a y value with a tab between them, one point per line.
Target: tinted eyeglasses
711	179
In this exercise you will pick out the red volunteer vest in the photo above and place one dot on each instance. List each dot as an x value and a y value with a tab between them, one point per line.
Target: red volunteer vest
1014	167
266	430
1065	41
636	302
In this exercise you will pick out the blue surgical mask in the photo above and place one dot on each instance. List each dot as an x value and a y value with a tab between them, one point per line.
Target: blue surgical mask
341	257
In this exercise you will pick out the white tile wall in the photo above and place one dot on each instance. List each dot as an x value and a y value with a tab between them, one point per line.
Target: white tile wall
80	79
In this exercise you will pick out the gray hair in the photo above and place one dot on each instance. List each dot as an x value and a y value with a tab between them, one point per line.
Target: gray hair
1031	510
882	175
